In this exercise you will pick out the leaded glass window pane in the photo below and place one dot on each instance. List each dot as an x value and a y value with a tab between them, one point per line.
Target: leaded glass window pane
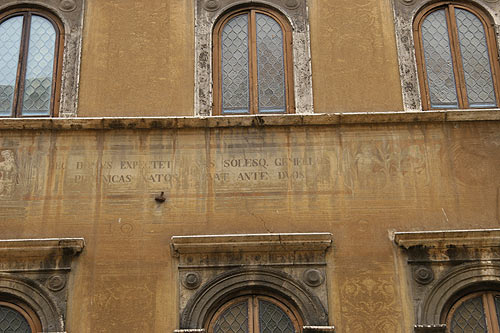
270	64
233	320
12	321
469	317
235	69
497	307
10	44
40	68
272	319
476	60
438	61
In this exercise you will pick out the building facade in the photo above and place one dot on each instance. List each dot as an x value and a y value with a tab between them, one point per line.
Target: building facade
243	166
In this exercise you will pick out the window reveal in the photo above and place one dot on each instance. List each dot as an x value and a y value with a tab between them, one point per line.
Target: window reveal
252	58
29	60
456	57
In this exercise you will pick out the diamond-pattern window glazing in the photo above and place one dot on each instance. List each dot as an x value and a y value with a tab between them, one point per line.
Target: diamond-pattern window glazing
40	68
469	317
270	63
29	43
457	56
10	45
254	314
438	61
272	319
233	320
476	62
475	313
252	63
12	321
235	72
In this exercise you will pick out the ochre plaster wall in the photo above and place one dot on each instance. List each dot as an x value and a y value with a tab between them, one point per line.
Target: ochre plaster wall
354	57
358	182
138	57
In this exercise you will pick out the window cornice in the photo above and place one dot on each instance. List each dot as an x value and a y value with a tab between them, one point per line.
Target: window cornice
447	238
251	243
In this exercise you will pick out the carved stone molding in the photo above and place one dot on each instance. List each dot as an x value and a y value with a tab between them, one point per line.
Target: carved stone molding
430	328
442	265
35	271
228	264
318	329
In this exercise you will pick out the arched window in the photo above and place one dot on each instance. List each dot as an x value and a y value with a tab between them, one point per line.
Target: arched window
30	61
254	314
457	57
477	312
253	63
15	317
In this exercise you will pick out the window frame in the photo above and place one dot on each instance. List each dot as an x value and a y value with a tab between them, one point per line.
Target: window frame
253	311
457	60
252	51
206	15
27	13
488	299
25	311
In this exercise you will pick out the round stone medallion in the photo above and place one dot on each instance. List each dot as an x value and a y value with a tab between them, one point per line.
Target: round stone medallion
56	282
192	280
67	5
423	275
313	277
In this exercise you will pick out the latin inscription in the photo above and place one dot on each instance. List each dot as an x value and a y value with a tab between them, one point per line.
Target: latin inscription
126	171
171	173
262	169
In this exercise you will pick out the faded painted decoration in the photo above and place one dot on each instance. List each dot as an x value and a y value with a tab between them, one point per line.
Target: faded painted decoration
8	173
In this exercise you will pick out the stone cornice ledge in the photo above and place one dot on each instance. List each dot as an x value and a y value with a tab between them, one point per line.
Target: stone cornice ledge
443	239
251	242
41	247
440	328
107	123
